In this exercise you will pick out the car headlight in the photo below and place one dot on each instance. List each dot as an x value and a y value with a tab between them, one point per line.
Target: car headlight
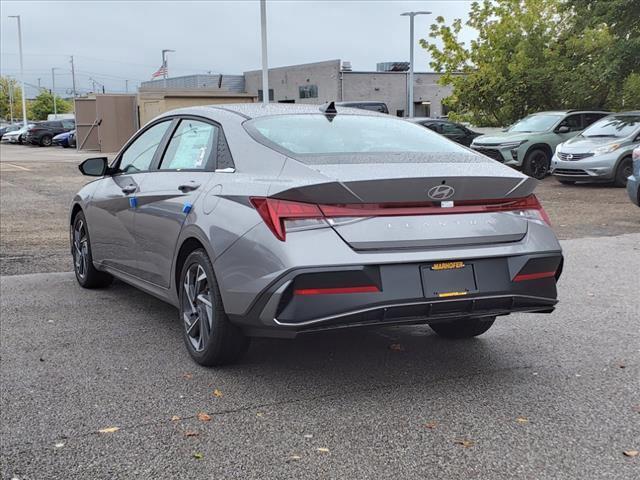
511	144
606	149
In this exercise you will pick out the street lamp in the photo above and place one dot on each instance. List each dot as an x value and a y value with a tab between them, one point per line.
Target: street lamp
53	91
411	16
165	67
24	98
265	62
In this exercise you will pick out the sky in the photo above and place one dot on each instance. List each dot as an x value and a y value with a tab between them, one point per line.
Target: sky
116	41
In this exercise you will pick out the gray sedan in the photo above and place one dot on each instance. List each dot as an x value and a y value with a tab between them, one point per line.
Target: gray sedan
280	220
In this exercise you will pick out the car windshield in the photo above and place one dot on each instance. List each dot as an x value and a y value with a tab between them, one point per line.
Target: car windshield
316	134
618	126
536	123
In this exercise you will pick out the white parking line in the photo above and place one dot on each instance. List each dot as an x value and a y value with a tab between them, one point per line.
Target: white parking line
15	166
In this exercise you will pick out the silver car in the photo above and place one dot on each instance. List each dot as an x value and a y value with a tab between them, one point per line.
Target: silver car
286	219
602	153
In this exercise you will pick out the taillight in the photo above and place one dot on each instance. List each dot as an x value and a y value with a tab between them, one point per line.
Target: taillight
276	212
282	214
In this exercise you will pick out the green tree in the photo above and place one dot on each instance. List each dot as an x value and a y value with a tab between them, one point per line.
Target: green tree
42	105
532	55
6	84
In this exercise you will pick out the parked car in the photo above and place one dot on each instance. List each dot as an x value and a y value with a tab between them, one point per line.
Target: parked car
72	139
366	105
17	136
633	182
529	143
602	153
42	133
9	128
278	220
453	131
64	139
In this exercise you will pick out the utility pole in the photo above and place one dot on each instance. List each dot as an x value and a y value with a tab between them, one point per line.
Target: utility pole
39	87
126	86
265	63
73	78
411	16
165	67
53	91
24	97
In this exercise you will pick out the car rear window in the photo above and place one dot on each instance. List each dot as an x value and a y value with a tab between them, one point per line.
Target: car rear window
317	134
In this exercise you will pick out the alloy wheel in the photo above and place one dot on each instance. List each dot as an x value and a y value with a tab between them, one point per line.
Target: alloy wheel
539	165
80	249
197	307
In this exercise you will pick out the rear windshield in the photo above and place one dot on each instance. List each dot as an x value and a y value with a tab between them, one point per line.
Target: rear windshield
316	134
618	126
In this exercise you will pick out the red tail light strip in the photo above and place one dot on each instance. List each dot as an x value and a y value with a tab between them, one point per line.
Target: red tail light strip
337	290
533	276
274	212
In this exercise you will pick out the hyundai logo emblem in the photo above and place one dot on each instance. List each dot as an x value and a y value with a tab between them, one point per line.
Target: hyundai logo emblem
441	192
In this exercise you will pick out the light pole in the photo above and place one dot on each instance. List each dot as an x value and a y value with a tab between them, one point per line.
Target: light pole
10	82
53	91
165	67
24	97
411	16
265	63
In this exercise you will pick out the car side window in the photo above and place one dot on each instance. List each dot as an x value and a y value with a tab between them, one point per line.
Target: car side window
590	118
574	122
191	146
432	126
139	155
68	123
452	129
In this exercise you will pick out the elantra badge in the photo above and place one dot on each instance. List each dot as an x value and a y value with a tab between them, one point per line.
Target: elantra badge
441	192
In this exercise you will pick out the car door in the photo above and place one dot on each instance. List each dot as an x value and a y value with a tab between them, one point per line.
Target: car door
111	212
574	122
165	200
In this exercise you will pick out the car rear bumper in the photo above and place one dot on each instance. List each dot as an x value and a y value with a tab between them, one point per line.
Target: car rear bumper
500	286
600	168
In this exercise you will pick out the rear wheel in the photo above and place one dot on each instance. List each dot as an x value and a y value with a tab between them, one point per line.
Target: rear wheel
624	170
463	327
536	164
86	274
210	337
46	141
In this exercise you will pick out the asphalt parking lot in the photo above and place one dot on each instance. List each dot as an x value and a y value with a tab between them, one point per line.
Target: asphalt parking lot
538	396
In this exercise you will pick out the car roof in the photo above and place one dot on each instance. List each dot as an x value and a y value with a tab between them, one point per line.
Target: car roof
566	112
255	110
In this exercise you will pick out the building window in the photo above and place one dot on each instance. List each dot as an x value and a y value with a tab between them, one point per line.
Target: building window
308	91
270	95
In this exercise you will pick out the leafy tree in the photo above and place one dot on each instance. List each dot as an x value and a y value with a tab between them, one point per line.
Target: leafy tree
5	83
42	105
532	55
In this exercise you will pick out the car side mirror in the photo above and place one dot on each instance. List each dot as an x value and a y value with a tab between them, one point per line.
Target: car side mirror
563	129
94	167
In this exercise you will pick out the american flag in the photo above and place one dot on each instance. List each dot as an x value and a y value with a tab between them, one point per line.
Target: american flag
161	72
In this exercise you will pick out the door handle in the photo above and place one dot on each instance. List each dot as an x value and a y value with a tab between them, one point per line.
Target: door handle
129	189
188	187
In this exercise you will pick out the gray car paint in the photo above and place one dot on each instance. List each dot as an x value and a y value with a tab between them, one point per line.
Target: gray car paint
140	246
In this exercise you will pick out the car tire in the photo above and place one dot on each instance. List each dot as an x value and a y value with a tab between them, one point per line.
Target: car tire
567	182
536	163
624	170
20	140
86	274
462	327
211	339
46	141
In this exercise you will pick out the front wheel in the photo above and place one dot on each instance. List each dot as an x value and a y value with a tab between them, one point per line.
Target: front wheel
210	337
86	274
462	327
624	171
536	164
